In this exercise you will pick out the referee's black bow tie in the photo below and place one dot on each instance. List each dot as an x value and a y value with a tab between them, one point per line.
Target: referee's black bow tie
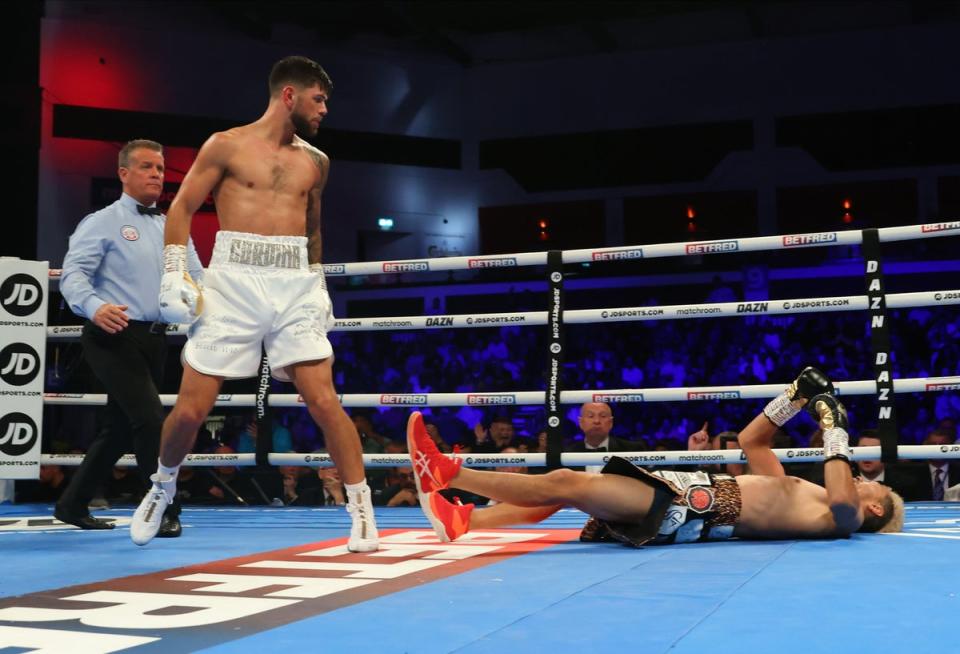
150	211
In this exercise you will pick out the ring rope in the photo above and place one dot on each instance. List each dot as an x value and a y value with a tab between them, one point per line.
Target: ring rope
612	314
657	250
697	248
621	395
673	457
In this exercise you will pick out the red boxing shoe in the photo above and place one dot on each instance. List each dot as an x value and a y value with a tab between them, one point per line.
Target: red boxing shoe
432	471
450	521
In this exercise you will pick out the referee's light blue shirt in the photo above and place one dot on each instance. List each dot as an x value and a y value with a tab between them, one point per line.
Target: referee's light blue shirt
116	257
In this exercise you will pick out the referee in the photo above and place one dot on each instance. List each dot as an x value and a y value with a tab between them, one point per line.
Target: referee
111	277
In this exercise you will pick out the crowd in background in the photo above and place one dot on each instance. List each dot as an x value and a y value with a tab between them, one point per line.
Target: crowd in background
643	354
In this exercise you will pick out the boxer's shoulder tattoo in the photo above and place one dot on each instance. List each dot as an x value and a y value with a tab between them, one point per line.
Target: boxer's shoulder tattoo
318	157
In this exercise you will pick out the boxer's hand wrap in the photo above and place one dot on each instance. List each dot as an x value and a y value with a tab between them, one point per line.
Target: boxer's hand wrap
780	409
809	383
317	268
836	444
181	298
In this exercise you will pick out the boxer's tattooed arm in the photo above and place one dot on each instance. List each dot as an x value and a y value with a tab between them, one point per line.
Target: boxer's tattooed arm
314	245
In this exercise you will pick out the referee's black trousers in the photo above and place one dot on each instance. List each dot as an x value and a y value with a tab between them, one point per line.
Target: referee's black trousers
130	366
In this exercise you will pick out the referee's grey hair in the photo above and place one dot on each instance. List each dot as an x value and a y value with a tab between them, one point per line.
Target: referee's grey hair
124	157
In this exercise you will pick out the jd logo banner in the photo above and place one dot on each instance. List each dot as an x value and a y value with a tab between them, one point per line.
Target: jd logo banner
20	295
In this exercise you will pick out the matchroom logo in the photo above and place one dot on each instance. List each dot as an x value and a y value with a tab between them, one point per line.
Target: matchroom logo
189	609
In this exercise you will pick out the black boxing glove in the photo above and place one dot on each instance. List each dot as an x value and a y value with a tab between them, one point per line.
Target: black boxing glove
826	409
832	416
809	383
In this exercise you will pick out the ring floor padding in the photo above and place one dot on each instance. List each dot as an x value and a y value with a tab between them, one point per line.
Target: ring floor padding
878	593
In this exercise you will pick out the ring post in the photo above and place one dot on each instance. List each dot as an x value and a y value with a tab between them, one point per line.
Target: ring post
555	357
880	343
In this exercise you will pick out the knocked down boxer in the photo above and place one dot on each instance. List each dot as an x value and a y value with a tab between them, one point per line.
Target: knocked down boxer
635	507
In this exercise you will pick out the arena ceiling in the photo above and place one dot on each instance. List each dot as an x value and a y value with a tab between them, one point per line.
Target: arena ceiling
481	32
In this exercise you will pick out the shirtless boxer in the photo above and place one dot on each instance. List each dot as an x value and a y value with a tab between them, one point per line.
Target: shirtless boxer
628	504
264	285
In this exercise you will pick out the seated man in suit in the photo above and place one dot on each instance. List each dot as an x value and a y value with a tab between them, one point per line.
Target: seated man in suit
897	477
938	475
596	422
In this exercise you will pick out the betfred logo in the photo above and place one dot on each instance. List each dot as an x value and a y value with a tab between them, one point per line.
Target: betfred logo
20	295
405	266
953	386
501	262
612	398
403	400
334	269
713	395
490	400
198	607
798	240
712	248
939	227
625	254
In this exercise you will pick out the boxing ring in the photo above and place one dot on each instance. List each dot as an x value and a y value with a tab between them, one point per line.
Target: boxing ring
243	579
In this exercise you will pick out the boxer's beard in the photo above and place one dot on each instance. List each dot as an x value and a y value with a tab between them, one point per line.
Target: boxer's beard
302	126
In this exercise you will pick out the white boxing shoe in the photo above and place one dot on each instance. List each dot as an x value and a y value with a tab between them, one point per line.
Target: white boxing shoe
147	517
363	527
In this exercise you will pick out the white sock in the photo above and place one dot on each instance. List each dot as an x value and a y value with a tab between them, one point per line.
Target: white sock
355	491
166	474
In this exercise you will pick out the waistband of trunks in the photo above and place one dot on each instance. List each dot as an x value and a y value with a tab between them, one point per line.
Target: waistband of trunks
257	252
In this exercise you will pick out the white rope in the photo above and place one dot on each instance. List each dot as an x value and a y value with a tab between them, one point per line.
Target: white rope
692	248
130	460
166	399
520	398
614	314
689	457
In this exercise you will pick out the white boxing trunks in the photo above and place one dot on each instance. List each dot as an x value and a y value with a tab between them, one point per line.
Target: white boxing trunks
259	289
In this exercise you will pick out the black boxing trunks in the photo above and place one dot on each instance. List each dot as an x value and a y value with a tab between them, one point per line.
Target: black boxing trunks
687	507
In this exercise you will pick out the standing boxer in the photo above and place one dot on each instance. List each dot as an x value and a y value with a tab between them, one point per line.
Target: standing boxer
264	285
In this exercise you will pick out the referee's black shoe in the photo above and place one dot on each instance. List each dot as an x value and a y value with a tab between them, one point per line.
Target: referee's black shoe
169	526
81	520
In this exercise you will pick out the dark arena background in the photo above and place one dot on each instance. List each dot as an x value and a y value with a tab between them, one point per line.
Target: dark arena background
670	208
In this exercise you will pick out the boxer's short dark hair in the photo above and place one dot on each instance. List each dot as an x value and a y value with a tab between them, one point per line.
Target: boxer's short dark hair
298	71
